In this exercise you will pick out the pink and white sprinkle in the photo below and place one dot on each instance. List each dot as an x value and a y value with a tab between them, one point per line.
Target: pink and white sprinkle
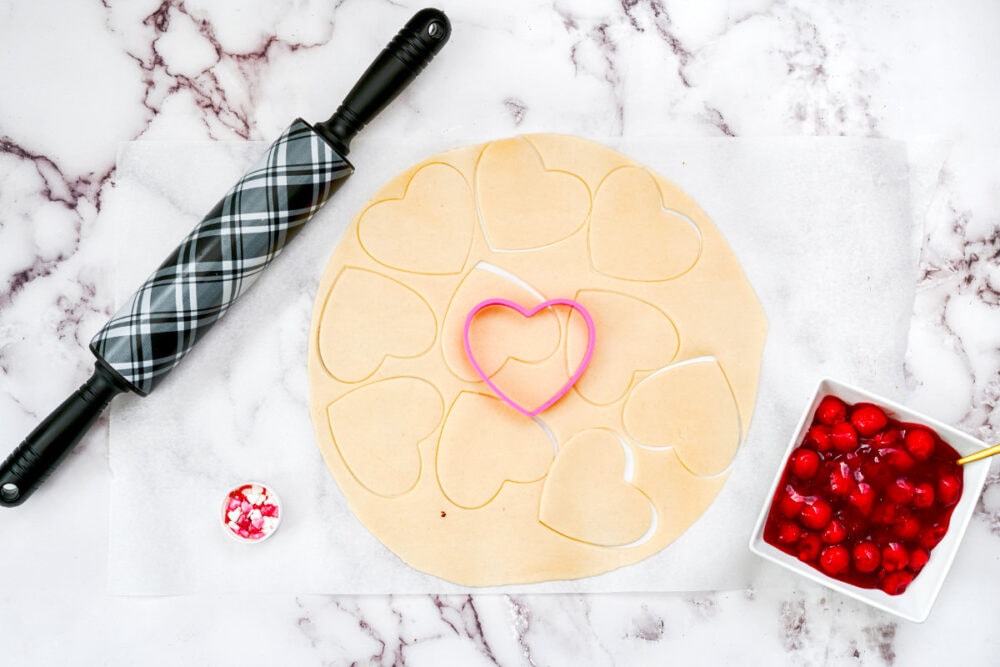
251	512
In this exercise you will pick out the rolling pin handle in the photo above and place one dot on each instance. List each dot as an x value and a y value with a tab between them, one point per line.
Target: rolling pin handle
43	449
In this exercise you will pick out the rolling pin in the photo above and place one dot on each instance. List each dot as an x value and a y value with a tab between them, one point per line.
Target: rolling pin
222	256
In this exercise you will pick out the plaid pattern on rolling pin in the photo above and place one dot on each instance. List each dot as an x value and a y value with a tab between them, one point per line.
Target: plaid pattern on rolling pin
221	258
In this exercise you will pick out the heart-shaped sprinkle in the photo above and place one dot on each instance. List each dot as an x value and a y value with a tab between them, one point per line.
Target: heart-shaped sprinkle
527	313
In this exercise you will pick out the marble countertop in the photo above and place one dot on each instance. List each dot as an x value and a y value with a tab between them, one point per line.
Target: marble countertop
81	77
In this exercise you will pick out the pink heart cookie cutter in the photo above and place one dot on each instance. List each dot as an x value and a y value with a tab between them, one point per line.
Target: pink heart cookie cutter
527	313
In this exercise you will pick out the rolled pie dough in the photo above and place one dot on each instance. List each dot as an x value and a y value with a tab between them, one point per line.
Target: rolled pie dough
454	481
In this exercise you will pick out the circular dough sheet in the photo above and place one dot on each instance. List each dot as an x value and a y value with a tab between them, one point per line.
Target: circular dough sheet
453	480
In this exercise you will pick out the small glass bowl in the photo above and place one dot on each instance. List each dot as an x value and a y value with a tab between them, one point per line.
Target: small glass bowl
260	498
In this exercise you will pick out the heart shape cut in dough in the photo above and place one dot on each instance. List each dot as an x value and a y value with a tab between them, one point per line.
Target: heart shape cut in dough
549	205
354	338
587	495
636	337
506	396
690	407
429	230
383	454
632	235
516	339
506	448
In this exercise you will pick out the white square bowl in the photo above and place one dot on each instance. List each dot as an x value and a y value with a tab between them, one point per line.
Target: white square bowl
915	603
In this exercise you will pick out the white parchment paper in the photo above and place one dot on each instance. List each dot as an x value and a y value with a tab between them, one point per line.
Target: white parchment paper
824	227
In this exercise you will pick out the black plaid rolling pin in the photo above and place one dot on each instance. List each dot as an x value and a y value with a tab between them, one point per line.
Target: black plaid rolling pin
223	256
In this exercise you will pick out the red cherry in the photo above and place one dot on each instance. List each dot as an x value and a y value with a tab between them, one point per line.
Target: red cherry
866	557
834	533
816	514
791	503
805	463
931	536
949	488
788	532
907	529
918	558
868	419
831	410
894	557
923	495
887	512
834	560
818	436
900	491
809	547
920	443
896	582
897	458
841	480
862	497
887	438
843	437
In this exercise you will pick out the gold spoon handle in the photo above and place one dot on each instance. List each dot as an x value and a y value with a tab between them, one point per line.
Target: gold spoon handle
981	454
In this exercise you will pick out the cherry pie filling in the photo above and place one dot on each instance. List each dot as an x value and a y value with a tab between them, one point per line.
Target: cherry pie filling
865	498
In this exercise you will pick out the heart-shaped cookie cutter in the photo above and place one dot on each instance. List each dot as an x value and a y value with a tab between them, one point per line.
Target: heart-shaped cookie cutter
527	313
